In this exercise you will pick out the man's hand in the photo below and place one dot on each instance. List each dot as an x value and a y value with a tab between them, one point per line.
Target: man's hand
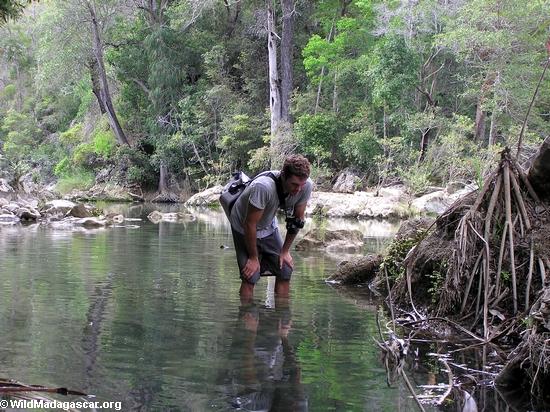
286	258
252	266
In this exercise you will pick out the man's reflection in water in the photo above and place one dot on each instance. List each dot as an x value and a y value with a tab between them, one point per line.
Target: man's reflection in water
266	375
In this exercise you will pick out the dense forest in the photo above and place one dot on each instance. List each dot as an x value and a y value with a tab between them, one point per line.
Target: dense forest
166	94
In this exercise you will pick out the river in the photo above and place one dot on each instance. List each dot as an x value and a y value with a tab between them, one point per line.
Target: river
149	315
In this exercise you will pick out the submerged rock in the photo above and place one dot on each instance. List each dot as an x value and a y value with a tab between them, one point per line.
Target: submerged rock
157	217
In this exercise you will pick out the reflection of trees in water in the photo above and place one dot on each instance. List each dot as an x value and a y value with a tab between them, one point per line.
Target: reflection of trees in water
264	373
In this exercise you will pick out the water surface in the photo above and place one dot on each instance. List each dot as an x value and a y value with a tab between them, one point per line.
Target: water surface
150	315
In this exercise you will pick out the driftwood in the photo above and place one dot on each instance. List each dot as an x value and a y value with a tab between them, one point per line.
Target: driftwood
361	270
8	386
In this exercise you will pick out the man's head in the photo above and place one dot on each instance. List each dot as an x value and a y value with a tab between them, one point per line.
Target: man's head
295	173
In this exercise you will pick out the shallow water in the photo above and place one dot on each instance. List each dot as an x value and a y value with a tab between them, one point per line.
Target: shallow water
149	315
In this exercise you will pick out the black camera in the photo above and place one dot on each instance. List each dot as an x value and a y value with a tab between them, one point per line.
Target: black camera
294	224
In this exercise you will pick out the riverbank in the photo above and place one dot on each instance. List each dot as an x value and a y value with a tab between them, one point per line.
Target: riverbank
386	203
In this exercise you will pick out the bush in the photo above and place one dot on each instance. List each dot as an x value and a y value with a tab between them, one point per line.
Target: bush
82	180
361	148
317	135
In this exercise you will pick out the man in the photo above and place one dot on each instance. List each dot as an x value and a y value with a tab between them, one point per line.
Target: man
259	246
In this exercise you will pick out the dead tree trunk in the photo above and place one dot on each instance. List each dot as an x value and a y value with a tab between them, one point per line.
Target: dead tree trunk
106	94
287	46
274	92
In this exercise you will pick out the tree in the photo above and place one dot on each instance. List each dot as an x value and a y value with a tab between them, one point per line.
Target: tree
10	9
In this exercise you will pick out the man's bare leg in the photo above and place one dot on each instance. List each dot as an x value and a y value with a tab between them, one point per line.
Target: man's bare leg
247	290
282	287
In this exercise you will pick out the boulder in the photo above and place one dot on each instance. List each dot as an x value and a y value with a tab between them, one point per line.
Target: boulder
360	270
58	206
5	186
331	239
80	211
27	213
11	207
347	182
27	184
208	197
91	222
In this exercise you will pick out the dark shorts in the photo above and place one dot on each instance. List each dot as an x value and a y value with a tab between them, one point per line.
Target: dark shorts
269	249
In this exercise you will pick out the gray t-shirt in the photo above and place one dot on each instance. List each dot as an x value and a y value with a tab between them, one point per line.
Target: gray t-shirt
262	194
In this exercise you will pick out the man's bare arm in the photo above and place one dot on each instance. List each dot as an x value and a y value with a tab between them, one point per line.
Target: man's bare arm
299	213
253	215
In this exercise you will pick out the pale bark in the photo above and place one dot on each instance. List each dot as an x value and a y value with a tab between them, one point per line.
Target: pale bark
96	84
274	92
106	95
287	46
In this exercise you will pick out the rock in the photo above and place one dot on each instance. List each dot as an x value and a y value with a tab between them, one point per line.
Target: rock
5	186
27	183
453	187
115	218
331	239
436	202
91	222
208	197
25	213
347	182
361	270
80	211
4	202
157	217
11	207
389	203
58	206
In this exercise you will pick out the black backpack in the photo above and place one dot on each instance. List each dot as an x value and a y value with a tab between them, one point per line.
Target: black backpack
240	181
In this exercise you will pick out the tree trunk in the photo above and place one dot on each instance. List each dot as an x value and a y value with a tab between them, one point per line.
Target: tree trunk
163	179
96	85
98	53
539	172
274	92
287	46
481	115
479	132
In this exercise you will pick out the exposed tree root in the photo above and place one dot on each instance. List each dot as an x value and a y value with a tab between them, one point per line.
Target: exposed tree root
485	262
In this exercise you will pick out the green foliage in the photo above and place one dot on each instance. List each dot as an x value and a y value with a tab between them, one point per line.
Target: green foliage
242	135
103	142
317	135
20	136
361	148
437	277
397	251
72	136
80	180
63	168
392	72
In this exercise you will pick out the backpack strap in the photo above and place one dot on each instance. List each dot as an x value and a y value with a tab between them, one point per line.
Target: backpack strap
280	193
278	185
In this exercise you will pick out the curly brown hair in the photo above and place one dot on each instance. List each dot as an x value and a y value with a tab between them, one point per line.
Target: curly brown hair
296	165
